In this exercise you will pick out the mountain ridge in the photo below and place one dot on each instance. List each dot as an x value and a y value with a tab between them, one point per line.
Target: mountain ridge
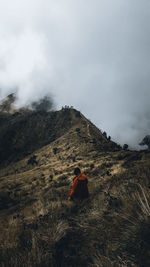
24	132
39	226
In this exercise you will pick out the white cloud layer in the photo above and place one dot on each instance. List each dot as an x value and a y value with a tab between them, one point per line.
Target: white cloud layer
93	55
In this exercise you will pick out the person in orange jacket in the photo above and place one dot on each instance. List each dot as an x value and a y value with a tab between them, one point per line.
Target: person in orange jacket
79	188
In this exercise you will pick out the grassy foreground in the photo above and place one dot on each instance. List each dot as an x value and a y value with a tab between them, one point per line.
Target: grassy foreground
39	227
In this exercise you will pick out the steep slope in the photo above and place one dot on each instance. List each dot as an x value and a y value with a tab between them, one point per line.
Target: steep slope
40	227
26	131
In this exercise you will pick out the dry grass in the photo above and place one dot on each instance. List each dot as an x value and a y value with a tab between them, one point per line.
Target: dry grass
143	202
39	227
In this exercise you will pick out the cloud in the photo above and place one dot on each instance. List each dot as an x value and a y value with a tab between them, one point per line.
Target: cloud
93	55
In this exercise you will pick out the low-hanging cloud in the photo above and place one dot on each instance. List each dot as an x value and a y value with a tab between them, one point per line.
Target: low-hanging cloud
93	55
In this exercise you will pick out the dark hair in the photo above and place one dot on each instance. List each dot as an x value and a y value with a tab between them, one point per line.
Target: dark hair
77	171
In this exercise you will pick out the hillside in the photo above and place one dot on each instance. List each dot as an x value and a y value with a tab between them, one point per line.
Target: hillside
39	226
26	131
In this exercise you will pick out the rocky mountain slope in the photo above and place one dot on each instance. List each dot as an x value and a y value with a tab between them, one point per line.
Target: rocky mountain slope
26	131
39	226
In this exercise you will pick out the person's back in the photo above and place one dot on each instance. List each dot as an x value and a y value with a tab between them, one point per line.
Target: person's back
79	188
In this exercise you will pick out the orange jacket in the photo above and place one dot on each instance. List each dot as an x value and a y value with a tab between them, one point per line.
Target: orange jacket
82	191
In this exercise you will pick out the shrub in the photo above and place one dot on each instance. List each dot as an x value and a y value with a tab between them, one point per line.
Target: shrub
125	147
33	160
92	166
78	130
55	150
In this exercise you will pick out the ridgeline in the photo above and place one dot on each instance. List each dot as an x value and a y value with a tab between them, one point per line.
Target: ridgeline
39	227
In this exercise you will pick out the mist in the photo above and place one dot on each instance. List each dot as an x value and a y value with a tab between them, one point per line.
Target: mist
93	55
44	104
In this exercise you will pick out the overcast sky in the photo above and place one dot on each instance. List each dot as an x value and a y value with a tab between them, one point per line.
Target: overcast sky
91	54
